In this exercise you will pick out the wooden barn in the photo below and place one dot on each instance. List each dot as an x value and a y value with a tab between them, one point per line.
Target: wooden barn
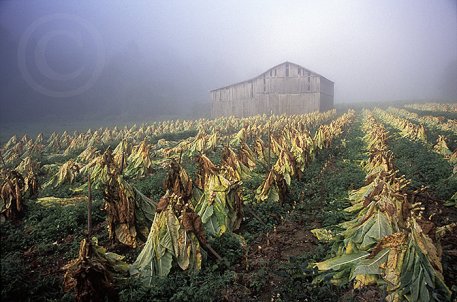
285	88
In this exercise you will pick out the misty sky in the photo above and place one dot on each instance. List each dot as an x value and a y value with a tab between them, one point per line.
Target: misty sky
174	52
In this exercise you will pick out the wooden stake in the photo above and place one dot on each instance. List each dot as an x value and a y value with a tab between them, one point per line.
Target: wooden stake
209	248
3	162
89	210
269	144
180	156
123	157
255	215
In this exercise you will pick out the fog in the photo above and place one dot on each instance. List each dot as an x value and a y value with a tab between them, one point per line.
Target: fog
85	60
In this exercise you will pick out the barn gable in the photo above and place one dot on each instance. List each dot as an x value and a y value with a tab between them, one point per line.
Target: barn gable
285	88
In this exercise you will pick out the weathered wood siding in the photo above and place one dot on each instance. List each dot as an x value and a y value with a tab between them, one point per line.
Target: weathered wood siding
286	88
326	94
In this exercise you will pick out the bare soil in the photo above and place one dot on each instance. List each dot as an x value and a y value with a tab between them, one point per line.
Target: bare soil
267	253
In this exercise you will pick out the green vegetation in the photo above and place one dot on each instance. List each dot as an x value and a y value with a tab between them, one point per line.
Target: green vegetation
253	209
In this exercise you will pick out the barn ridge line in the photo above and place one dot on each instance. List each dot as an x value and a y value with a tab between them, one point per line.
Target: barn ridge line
265	72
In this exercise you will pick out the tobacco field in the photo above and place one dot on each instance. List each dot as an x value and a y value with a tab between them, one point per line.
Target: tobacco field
356	205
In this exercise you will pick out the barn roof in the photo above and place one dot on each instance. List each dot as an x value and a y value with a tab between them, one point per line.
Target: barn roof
276	66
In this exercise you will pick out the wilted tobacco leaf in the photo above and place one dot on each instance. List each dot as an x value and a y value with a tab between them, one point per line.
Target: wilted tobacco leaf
178	181
323	234
344	260
129	212
11	206
441	147
66	175
139	162
163	204
92	275
171	239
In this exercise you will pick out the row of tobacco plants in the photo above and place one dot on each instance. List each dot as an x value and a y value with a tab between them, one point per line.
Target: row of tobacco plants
433	107
438	123
388	243
419	133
